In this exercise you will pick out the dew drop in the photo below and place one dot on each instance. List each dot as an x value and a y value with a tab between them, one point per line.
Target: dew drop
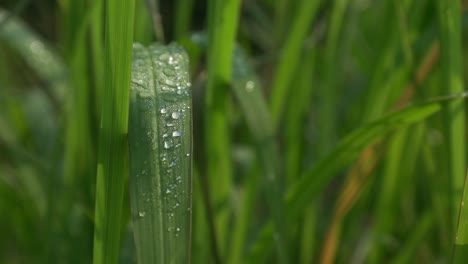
163	110
171	60
249	86
141	214
167	82
175	115
167	144
176	133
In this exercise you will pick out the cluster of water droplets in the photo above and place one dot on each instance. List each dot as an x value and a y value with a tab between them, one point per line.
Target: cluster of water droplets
170	75
141	73
173	84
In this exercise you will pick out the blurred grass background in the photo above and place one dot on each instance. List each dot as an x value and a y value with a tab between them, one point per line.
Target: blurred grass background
324	131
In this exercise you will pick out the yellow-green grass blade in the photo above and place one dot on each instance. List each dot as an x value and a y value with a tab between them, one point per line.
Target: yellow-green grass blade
223	18
160	153
112	168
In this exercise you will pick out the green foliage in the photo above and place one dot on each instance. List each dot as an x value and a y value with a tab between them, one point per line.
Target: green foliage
322	131
160	144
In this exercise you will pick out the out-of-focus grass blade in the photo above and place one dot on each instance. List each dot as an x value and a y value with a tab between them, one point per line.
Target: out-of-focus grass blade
289	57
319	175
160	154
418	234
183	18
223	16
252	103
401	158
39	55
153	9
112	169
143	24
329	91
461	238
454	111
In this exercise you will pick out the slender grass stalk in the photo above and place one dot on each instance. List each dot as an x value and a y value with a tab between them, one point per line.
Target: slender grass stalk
222	26
112	169
155	14
97	54
80	128
294	144
301	98
242	220
200	235
379	94
249	95
454	111
183	18
460	253
289	57
143	25
329	91
160	154
404	144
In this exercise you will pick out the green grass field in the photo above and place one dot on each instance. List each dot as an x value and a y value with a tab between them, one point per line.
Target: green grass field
302	131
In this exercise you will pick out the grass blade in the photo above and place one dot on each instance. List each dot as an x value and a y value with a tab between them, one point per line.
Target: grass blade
289	57
112	166
154	10
222	26
249	95
41	57
454	111
183	18
329	91
461	238
160	154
